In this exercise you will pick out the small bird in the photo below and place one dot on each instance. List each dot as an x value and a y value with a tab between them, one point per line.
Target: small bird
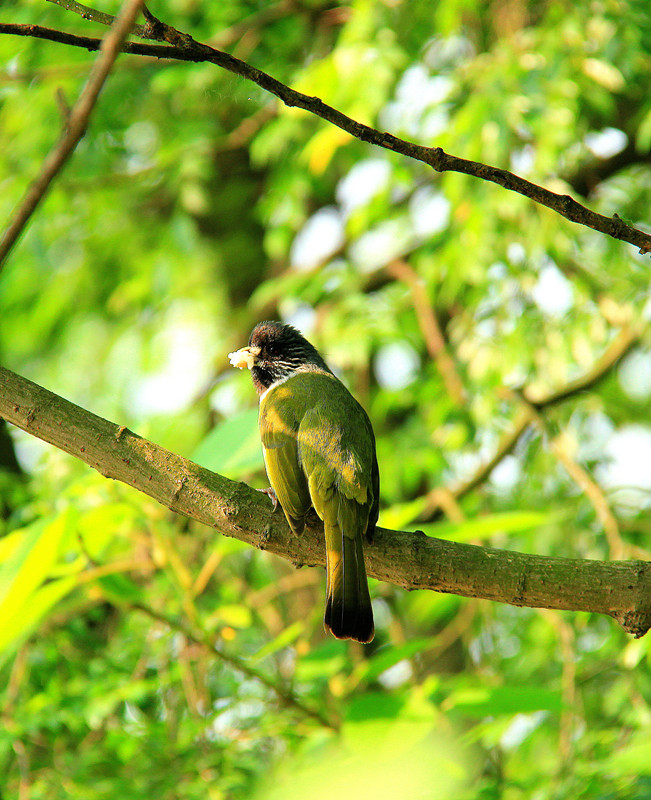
319	451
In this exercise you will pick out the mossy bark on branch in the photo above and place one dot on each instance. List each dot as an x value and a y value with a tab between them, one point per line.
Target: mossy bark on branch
412	560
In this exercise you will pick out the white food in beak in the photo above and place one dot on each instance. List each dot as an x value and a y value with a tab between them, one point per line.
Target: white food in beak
244	358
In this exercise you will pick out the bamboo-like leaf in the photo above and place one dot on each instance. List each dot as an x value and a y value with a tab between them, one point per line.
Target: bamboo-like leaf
492	700
30	563
24	600
387	657
284	639
18	627
484	527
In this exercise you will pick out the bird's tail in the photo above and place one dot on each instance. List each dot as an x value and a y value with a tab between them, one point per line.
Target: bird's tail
348	612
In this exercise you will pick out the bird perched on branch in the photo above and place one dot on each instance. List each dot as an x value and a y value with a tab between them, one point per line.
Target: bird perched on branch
319	451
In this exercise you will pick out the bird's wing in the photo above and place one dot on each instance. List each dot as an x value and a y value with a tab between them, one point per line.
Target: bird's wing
339	474
280	450
338	483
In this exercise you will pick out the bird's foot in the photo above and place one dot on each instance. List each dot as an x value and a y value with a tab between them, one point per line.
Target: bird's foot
271	495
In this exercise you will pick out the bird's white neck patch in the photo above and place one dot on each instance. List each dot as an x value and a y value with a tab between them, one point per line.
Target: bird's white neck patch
274	384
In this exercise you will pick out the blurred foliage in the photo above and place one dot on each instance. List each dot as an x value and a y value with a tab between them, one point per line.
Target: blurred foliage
143	655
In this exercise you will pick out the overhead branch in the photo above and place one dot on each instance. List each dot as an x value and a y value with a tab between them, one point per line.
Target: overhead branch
182	47
412	560
95	15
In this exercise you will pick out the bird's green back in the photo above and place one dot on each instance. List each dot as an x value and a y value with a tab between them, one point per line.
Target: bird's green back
317	438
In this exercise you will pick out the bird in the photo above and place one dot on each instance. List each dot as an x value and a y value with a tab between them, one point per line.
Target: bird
319	452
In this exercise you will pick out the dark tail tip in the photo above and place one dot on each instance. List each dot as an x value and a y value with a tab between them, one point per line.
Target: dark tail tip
348	611
351	620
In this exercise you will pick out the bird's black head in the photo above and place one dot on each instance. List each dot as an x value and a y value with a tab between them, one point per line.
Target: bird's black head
278	351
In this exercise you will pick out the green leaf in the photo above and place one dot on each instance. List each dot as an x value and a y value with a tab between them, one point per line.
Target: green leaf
375	705
120	587
17	628
100	707
107	527
643	136
232	448
284	639
482	701
387	657
401	514
324	661
634	759
485	527
29	563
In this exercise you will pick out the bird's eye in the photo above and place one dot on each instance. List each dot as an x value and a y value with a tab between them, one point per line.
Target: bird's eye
272	349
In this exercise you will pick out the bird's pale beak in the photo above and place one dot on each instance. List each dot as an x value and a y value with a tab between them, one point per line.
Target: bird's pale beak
245	357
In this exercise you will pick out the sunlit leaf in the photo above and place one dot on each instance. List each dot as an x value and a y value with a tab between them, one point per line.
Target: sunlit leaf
633	759
29	564
485	527
401	514
386	657
238	616
284	639
18	627
232	448
485	700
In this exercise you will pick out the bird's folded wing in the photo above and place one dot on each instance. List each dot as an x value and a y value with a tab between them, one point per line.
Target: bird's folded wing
337	481
280	452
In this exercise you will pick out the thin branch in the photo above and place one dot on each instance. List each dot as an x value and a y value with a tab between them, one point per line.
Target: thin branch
620	589
561	448
211	643
566	638
528	412
94	15
594	493
184	48
225	37
430	329
75	127
22	759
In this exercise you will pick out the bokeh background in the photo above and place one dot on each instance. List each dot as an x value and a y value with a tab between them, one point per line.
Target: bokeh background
197	205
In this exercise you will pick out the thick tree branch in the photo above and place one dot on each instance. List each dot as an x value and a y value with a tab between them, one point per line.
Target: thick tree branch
620	589
184	48
75	125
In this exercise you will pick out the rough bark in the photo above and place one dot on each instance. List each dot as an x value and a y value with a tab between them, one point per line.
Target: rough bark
620	589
